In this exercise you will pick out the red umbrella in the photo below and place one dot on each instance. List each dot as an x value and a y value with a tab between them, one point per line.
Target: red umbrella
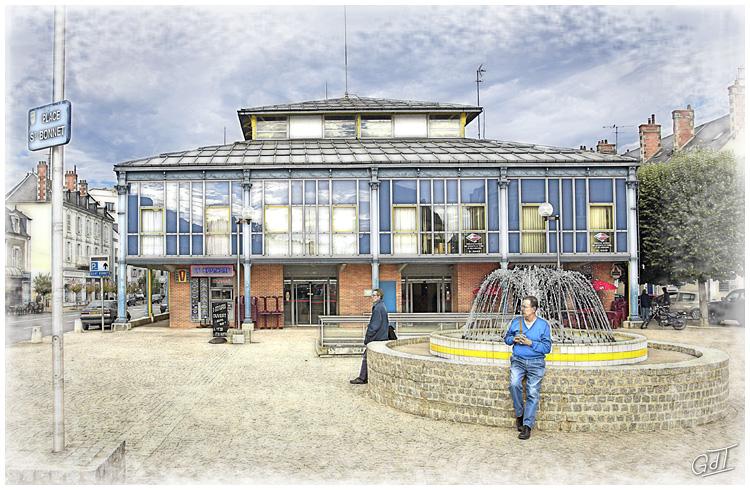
603	285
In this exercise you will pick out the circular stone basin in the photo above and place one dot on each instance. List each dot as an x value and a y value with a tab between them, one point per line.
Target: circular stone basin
628	348
679	386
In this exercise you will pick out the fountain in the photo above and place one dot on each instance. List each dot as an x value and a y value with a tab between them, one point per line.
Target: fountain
597	379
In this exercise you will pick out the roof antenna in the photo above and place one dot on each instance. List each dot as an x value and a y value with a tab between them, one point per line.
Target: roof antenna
326	89
346	60
225	135
480	70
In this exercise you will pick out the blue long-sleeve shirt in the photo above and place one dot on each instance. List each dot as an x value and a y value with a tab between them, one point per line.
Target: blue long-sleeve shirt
539	333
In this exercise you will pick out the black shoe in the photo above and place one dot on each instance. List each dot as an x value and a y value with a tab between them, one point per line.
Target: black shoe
358	381
525	432
519	423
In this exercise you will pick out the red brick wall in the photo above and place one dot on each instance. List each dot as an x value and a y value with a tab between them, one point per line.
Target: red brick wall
355	278
466	278
650	138
179	303
267	280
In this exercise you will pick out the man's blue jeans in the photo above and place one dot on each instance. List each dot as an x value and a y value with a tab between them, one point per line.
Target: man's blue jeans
533	371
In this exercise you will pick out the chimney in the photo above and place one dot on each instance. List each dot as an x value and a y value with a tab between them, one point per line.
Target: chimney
71	179
83	188
41	184
606	148
737	103
650	138
683	127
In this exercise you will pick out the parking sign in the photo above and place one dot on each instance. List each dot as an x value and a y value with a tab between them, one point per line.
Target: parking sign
99	266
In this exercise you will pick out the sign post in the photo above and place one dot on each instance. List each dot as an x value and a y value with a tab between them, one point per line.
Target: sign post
220	322
99	267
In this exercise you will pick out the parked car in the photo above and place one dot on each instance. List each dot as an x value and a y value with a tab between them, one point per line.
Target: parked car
156	298
140	297
731	307
91	315
131	300
685	302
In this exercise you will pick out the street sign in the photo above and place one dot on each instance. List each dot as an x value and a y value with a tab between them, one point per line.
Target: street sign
99	266
49	125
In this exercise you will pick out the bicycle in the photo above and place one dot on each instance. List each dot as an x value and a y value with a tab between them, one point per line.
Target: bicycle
665	318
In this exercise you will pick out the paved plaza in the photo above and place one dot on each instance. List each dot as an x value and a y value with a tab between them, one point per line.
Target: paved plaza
273	412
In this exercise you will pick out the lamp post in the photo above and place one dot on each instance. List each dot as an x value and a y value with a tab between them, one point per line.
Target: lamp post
546	212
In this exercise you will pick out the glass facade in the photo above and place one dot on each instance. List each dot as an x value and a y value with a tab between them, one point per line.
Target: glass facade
332	217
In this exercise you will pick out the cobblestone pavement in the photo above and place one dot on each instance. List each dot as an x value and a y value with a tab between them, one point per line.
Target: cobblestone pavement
273	412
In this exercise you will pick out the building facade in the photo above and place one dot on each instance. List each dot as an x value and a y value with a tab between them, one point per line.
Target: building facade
88	228
17	247
325	200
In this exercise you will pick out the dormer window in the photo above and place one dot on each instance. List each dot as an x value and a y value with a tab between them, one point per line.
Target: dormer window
340	127
376	127
445	126
271	127
16	224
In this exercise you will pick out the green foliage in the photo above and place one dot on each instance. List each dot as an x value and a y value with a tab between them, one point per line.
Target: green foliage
691	217
43	284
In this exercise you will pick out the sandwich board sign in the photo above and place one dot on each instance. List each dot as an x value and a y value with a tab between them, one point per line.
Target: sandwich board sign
99	266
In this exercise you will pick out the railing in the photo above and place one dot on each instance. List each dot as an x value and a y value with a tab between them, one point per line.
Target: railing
346	334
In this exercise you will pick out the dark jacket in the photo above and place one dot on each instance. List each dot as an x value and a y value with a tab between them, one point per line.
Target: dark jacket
377	329
645	300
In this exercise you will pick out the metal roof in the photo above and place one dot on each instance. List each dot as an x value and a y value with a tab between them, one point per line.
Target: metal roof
455	151
355	103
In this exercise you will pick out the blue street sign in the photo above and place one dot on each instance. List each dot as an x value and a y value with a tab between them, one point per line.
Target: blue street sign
99	266
49	125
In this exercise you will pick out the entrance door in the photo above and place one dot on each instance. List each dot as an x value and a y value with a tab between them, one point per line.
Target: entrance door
306	300
302	293
221	292
428	295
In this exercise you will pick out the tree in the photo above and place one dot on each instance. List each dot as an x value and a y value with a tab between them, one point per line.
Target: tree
43	285
90	290
109	288
76	288
692	219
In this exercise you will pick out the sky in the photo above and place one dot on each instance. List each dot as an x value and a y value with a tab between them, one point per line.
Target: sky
147	80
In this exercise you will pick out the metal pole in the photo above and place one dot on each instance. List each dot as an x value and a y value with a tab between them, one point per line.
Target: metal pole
557	234
58	168
101	285
237	292
148	295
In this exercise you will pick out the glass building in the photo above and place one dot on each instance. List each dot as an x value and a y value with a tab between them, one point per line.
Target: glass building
325	200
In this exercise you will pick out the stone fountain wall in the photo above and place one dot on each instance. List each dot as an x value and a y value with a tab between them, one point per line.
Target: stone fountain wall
574	399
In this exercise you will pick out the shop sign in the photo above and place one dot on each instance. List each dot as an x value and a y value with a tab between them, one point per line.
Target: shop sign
602	242
182	275
219	319
473	243
211	271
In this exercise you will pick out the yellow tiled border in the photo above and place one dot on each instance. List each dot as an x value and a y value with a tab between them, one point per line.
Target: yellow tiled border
553	356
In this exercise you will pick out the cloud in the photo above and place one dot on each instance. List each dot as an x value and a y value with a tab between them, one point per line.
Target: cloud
149	80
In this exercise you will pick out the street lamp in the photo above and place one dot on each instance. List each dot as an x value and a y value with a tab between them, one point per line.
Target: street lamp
546	212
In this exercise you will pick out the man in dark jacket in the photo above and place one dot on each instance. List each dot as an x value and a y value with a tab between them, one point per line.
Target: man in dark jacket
377	329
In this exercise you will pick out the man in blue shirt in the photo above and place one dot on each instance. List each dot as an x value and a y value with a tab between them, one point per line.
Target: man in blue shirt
531	339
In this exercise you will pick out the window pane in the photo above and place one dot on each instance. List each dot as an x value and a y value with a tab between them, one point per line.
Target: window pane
452	190
438	243
438	191
344	219
172	203
256	196
298	245
451	218
297	192
217	244
276	192
184	245
323	226
426	243
533	243
217	193
152	245
152	194
472	190
297	219
324	244
404	243
237	204
405	219
271	127
310	219
340	127
277	219
530	219
197	244
345	244
445	127
151	221
217	220
323	197
601	218
426	218
310	192
344	192
277	243
197	206
424	192
376	127
473	218
404	192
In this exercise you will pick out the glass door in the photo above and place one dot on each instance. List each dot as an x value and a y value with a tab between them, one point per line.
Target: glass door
221	292
302	297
